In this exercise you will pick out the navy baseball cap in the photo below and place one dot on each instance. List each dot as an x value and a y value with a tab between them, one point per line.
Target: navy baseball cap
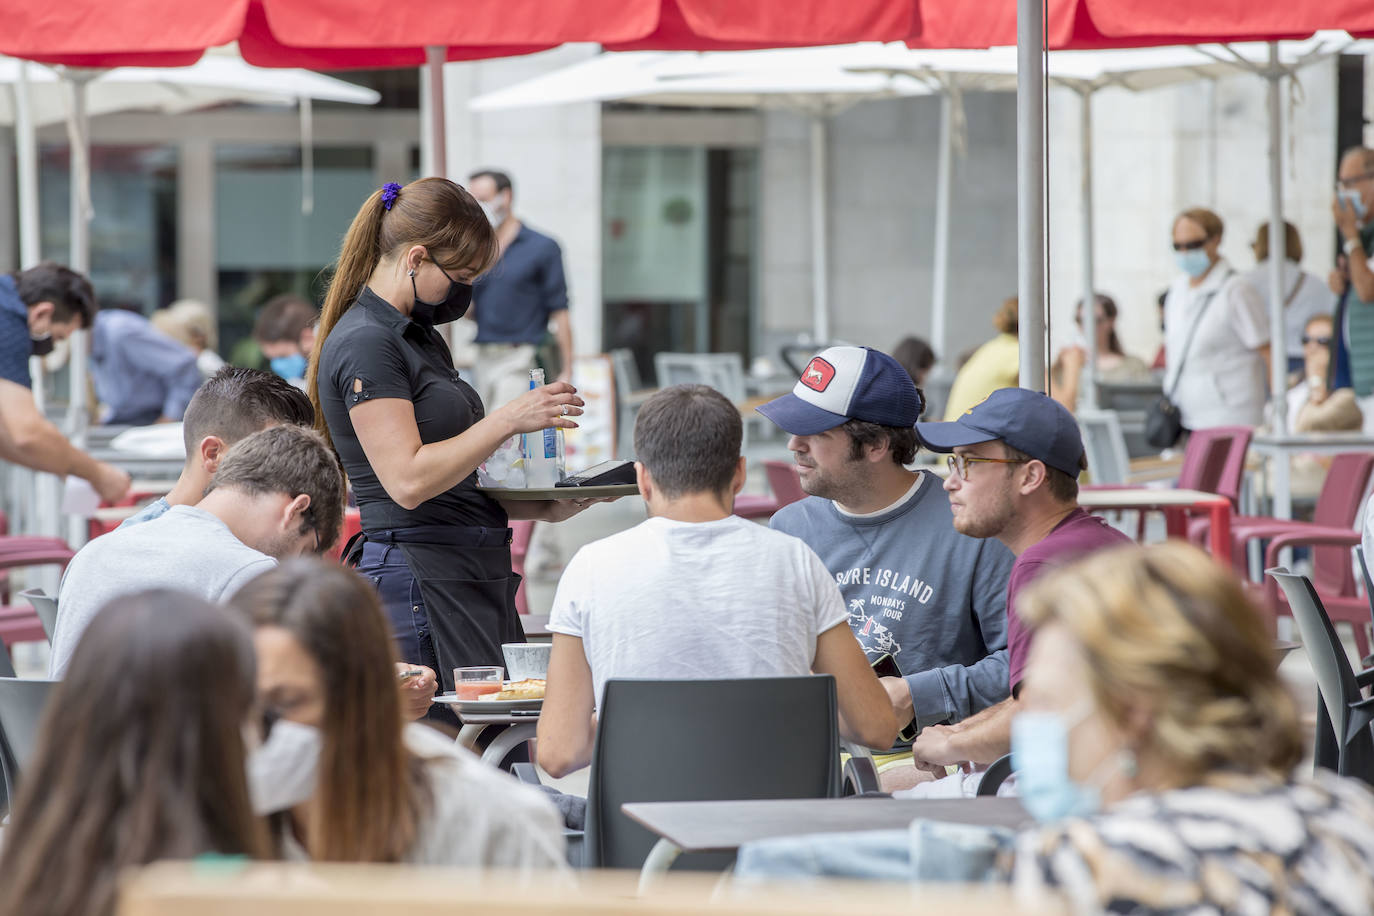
1028	421
847	383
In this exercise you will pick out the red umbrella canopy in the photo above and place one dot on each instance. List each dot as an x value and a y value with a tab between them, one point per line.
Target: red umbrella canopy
1117	23
338	34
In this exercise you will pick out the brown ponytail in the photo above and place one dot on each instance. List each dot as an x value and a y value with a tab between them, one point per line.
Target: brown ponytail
433	212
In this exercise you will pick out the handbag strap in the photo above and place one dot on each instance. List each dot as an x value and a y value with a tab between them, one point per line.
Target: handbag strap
1192	332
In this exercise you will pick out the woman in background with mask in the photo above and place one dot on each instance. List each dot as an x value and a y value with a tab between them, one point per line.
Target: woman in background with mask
1160	744
1216	332
390	792
411	433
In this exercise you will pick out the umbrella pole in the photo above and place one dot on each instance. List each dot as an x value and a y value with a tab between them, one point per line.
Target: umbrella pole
944	192
434	145
820	234
1030	192
78	135
1088	386
1278	253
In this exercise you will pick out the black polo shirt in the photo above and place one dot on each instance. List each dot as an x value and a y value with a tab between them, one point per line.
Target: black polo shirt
393	357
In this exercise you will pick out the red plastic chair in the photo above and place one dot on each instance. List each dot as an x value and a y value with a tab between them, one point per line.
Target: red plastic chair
20	623
522	532
1341	608
1337	506
785	481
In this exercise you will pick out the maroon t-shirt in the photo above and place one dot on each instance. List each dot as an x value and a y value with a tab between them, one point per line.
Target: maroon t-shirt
1078	534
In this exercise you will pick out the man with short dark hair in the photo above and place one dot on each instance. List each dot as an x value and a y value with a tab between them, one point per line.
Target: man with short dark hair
916	589
514	302
1014	466
278	493
37	306
231	405
695	591
285	333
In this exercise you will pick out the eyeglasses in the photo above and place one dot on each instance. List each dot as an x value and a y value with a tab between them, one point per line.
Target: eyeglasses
1319	341
1351	182
1194	245
958	464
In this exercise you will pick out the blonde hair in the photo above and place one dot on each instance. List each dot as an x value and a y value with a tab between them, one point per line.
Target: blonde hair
188	321
433	212
1169	625
1208	221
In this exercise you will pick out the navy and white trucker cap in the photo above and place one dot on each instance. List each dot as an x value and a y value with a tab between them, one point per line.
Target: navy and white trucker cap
847	383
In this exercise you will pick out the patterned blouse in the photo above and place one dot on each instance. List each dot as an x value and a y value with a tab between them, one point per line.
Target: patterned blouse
1239	845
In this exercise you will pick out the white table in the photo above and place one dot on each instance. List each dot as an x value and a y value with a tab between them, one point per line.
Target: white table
1281	449
1218	508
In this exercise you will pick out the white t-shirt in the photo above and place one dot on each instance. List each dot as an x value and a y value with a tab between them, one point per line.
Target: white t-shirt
1223	379
1310	296
697	600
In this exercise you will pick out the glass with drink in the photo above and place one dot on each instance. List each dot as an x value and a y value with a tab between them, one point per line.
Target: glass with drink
472	683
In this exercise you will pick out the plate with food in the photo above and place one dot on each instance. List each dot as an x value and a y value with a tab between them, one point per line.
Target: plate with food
514	696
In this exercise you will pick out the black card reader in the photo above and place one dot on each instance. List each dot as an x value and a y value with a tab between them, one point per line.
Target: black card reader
605	474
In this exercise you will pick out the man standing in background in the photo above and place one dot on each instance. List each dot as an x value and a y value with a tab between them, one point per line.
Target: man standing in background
514	303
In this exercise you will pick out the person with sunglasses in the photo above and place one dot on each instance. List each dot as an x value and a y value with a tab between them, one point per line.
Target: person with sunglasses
1353	279
1014	462
1216	331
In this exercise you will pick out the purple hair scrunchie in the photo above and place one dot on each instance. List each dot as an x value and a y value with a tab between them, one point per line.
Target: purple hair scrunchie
390	191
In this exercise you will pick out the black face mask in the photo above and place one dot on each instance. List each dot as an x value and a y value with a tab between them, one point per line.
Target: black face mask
450	308
41	346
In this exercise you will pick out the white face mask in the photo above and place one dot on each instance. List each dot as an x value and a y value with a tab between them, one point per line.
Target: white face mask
283	770
495	211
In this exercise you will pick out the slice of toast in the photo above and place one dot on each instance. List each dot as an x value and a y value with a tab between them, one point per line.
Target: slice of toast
528	689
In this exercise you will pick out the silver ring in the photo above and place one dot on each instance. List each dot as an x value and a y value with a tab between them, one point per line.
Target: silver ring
564	411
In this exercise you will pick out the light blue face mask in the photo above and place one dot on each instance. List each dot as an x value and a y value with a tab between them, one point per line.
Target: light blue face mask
1040	757
289	367
1194	263
1355	200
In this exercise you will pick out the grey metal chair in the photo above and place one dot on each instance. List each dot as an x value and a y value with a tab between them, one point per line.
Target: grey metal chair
996	774
21	711
630	395
1344	742
755	738
46	606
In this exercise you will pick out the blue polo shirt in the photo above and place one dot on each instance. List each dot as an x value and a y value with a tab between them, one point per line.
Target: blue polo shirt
513	301
15	345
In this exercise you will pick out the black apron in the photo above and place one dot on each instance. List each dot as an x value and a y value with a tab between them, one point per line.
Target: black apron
468	586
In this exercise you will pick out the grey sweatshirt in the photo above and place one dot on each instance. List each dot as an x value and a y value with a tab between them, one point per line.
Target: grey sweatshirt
916	588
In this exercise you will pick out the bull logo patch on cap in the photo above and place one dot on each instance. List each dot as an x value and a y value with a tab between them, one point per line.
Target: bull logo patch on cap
818	374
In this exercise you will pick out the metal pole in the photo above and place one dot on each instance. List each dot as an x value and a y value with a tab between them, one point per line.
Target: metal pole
1030	192
1088	384
820	234
944	192
78	135
26	163
1278	253
435	135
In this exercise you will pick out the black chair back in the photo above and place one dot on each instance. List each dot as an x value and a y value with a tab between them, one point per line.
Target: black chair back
21	711
1342	733
754	738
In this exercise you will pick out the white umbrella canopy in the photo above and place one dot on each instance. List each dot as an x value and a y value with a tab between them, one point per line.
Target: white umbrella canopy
808	83
214	80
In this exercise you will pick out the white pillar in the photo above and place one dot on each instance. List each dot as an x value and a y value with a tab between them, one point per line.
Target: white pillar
820	233
1030	192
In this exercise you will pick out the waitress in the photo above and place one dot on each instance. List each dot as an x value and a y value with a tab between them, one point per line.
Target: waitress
411	433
